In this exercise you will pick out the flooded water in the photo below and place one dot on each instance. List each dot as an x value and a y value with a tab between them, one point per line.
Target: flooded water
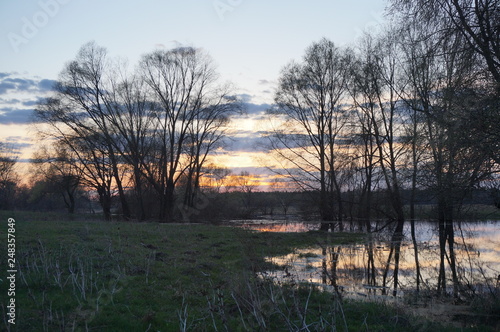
462	261
277	225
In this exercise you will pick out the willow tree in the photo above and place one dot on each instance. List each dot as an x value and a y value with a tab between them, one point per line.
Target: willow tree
59	172
446	91
138	133
77	113
130	121
309	101
477	21
191	108
375	88
205	134
477	24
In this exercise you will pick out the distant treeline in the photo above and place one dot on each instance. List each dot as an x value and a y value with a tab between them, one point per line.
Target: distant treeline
239	204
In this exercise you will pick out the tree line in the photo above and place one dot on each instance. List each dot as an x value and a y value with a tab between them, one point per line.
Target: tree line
414	106
410	108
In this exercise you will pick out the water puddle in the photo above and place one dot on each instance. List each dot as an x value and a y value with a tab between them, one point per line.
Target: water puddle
271	225
371	271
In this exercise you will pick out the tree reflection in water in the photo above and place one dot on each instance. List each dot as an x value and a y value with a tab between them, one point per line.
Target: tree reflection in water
459	259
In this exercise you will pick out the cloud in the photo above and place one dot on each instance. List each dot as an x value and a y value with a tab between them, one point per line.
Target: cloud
256	108
17	147
6	87
24	161
19	96
16	116
265	82
30	103
244	97
9	101
46	84
17	84
13	145
256	142
9	83
262	172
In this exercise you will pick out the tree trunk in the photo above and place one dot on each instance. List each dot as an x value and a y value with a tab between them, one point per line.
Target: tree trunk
105	201
121	192
450	235
169	203
442	254
415	251
397	239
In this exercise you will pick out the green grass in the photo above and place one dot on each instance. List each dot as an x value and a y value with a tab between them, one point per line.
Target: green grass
87	275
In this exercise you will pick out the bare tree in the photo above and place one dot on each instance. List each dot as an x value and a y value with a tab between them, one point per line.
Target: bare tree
375	91
206	133
80	107
217	177
145	130
60	172
309	99
364	150
8	177
87	145
477	21
444	91
131	118
191	108
388	131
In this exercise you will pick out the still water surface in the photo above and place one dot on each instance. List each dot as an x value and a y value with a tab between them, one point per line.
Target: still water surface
369	269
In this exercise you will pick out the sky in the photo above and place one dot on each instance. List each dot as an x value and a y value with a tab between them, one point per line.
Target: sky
249	40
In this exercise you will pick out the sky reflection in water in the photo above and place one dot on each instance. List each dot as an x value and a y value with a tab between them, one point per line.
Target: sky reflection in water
347	268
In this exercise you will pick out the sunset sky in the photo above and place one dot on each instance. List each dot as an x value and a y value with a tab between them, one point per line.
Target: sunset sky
249	40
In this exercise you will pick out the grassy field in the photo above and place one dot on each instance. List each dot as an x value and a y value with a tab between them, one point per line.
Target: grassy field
85	275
